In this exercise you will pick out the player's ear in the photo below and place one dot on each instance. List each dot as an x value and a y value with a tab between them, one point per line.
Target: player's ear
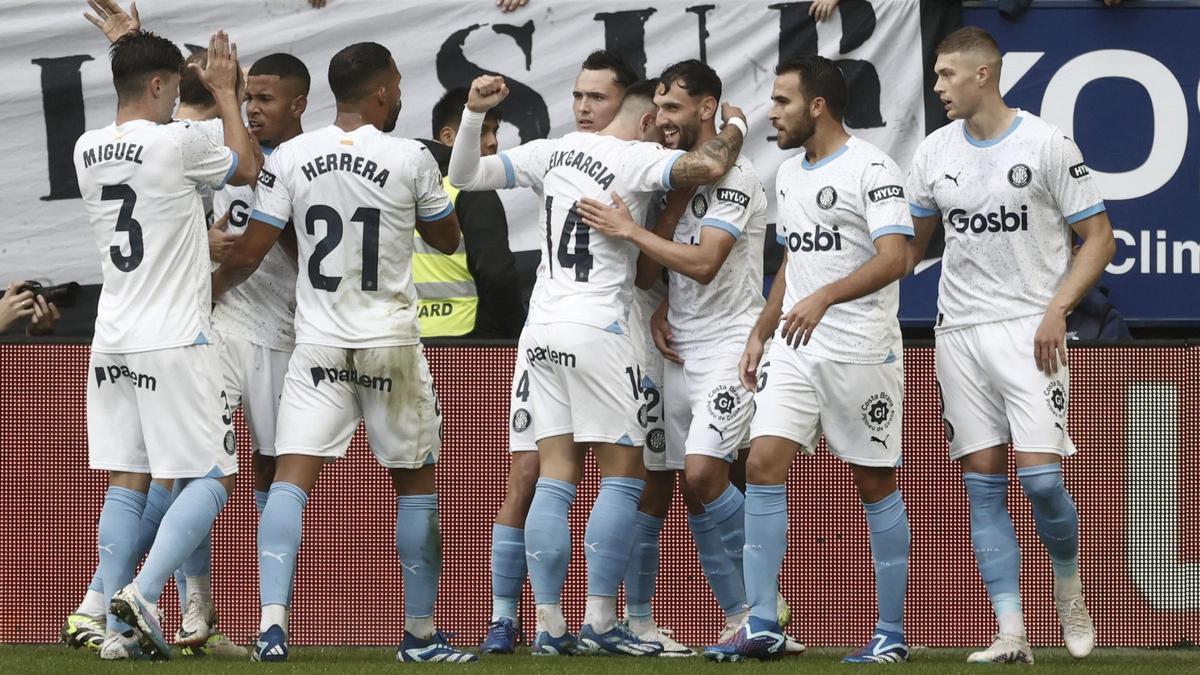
446	136
299	105
708	108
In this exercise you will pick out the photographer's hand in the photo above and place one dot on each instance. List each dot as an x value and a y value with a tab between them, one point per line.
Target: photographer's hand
45	316
15	305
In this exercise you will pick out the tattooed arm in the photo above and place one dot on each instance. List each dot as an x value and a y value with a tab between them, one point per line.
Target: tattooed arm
708	163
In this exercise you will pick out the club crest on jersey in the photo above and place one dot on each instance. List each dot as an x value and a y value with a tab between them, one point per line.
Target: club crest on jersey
699	206
230	443
1020	175
1078	171
644	415
266	178
723	402
521	420
878	411
1056	398
827	197
656	441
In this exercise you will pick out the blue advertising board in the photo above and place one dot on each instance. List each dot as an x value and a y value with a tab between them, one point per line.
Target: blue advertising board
1125	84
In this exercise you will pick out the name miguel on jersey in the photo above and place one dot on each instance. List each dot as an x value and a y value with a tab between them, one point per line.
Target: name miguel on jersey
127	152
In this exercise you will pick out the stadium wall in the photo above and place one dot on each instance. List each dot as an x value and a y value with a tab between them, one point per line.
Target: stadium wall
1135	414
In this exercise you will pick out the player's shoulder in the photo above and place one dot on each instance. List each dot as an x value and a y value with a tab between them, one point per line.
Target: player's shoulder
942	136
94	137
870	158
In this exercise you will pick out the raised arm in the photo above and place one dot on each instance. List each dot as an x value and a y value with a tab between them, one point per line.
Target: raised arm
467	170
708	163
113	21
220	77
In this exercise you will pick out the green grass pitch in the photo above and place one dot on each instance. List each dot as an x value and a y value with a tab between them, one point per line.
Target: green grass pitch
59	660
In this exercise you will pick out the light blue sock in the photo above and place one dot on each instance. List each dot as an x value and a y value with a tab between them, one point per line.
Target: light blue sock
766	542
608	539
260	500
279	542
508	570
117	539
419	545
1055	516
96	585
180	582
729	515
158	500
887	520
183	527
723	579
994	540
548	539
643	565
199	563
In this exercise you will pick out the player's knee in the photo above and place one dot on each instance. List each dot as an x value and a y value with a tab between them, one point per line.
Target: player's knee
874	483
707	480
766	468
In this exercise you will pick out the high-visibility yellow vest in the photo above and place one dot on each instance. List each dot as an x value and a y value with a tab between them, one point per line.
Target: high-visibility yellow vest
448	299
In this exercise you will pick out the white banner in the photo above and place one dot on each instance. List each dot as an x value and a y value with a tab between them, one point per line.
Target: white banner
56	77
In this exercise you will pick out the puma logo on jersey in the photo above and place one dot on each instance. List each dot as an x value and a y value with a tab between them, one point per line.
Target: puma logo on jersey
953	178
720	432
882	441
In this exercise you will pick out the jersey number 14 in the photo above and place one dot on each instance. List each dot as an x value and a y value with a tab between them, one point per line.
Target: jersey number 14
573	228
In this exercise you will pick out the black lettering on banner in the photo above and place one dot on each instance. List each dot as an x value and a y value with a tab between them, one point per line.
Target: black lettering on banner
886	192
735	196
62	106
701	12
625	36
266	178
524	107
1079	170
798	37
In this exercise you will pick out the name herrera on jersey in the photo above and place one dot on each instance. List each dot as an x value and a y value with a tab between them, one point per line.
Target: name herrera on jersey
583	163
345	162
128	152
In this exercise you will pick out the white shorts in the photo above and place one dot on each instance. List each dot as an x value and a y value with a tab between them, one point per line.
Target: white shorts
329	389
162	412
254	378
658	454
521	436
992	391
584	382
708	410
859	407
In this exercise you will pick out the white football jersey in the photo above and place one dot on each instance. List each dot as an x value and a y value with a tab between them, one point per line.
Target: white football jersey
355	198
526	165
719	316
830	214
260	310
138	181
585	277
1007	205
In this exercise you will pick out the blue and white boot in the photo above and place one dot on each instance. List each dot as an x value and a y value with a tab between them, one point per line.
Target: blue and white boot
619	641
756	639
271	645
435	649
503	636
884	647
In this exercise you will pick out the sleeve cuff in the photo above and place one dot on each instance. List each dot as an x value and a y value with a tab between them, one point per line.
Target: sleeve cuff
510	176
666	176
721	225
268	219
905	230
233	163
437	216
920	211
1086	213
782	241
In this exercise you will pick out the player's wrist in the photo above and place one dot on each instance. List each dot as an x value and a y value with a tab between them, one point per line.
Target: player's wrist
472	118
740	123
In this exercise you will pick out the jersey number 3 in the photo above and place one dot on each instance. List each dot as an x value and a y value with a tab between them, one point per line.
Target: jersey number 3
333	236
125	223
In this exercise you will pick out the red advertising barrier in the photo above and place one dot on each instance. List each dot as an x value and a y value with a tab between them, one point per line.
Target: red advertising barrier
1135	414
